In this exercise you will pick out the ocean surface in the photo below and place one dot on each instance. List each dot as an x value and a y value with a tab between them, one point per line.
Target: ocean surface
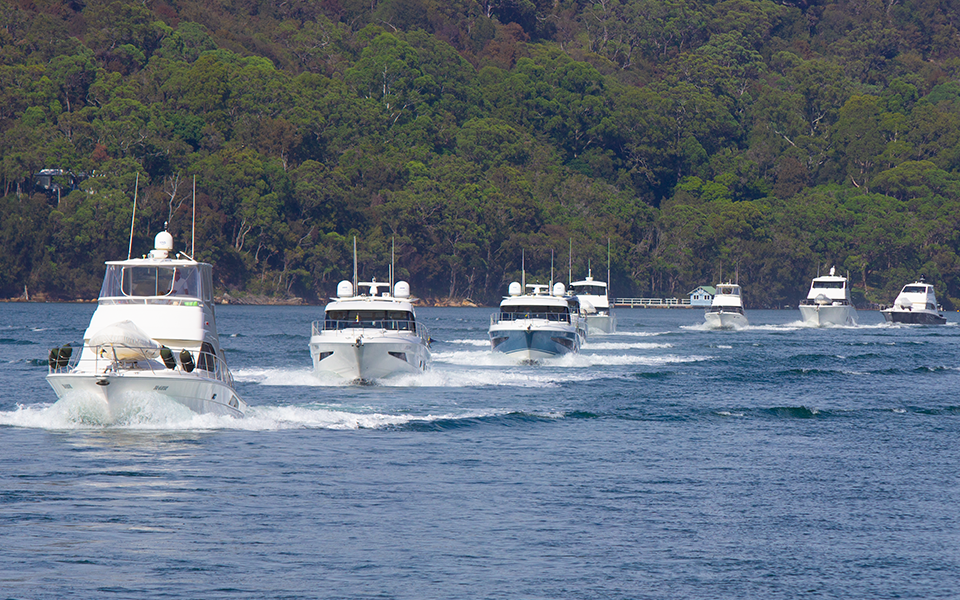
665	461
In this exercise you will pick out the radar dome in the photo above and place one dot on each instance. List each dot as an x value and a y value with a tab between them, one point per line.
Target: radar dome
163	241
515	289
401	290
559	289
344	289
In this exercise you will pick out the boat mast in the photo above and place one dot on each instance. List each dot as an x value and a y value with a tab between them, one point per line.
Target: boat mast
523	271
136	187
393	252
355	291
608	268
193	233
570	265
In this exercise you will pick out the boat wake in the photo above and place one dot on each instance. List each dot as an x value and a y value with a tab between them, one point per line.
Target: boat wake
75	413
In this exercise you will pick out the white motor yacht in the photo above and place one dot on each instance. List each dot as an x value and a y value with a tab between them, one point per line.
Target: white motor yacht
153	332
916	303
537	325
594	305
369	336
828	302
726	309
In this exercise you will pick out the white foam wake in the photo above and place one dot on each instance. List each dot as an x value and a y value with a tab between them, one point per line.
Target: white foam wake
161	414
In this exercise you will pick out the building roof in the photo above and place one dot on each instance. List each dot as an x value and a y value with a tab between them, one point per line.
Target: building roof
706	288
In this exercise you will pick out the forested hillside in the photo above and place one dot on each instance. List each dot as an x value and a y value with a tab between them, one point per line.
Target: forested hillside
758	139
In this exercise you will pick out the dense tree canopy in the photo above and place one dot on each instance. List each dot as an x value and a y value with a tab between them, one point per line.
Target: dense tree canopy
703	138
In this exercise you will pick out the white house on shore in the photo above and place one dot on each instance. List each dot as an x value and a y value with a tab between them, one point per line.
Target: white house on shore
703	295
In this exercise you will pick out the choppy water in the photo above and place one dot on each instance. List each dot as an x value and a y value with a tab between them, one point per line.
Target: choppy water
663	462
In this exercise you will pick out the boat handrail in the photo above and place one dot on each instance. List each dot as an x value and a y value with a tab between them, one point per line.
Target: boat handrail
387	325
520	316
102	359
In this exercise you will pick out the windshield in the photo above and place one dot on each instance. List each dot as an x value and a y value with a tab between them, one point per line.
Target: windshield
538	309
914	289
828	285
150	281
361	316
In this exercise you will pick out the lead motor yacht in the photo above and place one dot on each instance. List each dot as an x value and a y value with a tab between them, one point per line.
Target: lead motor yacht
828	302
153	333
916	303
366	337
726	309
537	325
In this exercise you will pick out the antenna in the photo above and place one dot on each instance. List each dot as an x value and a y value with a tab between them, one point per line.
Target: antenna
193	234
551	267
608	267
355	265
570	267
523	271
136	187
393	252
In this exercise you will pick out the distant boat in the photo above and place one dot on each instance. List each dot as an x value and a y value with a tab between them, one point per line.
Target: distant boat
594	305
153	332
365	337
828	302
726	309
537	325
917	304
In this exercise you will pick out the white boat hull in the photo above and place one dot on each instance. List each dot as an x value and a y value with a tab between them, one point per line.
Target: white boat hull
601	324
725	320
819	315
360	354
120	390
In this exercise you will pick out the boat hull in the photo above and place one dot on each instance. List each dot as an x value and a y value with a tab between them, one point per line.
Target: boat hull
913	317
819	315
601	324
120	389
357	355
725	320
534	343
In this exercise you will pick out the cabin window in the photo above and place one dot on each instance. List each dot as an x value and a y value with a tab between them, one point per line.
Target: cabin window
828	285
914	289
381	319
157	281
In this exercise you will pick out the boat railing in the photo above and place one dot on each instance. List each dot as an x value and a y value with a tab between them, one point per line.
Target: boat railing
105	359
385	325
500	317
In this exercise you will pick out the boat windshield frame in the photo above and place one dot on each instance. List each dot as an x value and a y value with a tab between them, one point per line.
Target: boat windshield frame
819	284
144	280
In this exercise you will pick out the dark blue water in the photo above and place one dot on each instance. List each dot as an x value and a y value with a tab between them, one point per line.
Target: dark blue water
663	462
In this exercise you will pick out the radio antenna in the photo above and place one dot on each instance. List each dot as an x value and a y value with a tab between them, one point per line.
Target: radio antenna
133	219
193	234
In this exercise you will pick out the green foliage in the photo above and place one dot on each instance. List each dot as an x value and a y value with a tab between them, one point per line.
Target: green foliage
704	140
